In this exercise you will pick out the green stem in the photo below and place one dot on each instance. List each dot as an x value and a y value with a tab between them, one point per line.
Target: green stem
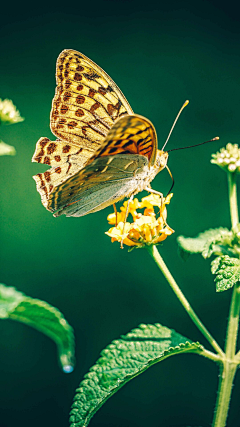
232	188
161	264
229	364
230	361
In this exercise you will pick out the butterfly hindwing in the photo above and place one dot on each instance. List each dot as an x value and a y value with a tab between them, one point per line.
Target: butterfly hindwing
65	160
105	181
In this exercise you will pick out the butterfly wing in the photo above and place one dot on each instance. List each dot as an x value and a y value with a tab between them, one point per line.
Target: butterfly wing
85	106
134	137
100	184
87	101
131	134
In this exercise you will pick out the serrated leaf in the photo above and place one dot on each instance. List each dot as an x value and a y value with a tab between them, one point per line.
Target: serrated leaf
227	272
122	361
42	316
216	241
6	150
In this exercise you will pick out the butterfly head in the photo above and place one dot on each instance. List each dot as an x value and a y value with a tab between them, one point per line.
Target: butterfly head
161	160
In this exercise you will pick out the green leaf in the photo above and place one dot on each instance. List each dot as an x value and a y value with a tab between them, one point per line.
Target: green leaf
122	361
227	272
41	316
6	150
218	241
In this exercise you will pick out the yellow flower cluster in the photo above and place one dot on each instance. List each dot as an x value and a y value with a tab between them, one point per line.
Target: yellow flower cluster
147	228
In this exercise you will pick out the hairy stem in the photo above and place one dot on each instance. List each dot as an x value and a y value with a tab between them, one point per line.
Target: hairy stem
232	188
230	361
161	264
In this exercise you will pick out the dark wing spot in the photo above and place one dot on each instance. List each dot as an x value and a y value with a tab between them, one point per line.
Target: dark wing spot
91	92
102	90
47	176
45	190
43	142
112	150
80	99
79	68
84	130
68	84
66	74
80	87
40	177
91	75
79	112
58	170
47	160
40	154
110	109
94	107
118	142
77	77
72	124
57	158
64	109
67	96
50	187
66	149
130	142
51	148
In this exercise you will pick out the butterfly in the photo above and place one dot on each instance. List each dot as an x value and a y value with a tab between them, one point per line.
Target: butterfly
103	151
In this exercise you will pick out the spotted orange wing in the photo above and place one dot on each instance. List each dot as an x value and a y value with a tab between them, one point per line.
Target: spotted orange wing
131	134
86	104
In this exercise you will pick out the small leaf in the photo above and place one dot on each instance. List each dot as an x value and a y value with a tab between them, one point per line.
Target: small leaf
42	316
122	361
218	241
227	272
6	150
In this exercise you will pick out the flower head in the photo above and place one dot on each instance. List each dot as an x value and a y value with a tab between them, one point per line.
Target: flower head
8	112
228	158
147	228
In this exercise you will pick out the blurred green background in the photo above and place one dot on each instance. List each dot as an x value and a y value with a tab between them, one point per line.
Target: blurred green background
160	54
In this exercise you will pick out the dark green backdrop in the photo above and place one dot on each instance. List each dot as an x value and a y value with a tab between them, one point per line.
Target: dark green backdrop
160	55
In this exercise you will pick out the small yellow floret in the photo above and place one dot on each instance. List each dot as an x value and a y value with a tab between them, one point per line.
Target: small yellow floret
148	228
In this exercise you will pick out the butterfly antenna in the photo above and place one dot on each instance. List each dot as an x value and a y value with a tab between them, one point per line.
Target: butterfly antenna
175	121
196	145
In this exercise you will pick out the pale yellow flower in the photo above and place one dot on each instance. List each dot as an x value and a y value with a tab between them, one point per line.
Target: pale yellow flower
149	228
9	113
228	158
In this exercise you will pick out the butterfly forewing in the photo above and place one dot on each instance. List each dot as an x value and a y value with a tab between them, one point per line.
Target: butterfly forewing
131	134
86	102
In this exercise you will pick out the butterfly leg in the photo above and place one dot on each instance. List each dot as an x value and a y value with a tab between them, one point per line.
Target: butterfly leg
156	192
159	194
125	218
115	211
